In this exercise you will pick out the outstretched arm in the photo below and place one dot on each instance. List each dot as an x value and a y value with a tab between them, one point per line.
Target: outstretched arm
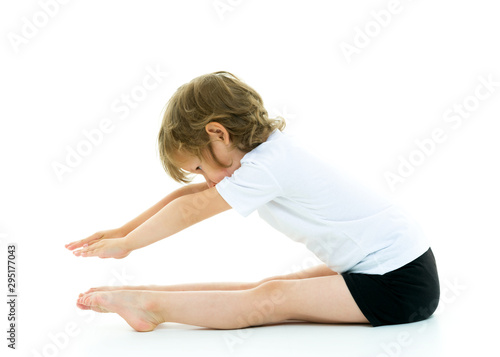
136	222
143	217
179	214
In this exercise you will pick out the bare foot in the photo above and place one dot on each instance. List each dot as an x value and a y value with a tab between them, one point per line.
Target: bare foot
138	308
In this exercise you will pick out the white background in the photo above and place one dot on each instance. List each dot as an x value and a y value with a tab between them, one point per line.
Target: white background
364	112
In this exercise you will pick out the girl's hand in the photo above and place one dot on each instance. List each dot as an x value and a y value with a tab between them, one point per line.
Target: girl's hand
112	233
109	248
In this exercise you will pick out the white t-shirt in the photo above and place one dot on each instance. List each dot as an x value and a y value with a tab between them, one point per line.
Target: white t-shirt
347	226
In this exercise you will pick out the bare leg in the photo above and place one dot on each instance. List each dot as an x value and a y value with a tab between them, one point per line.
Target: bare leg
182	287
313	272
323	299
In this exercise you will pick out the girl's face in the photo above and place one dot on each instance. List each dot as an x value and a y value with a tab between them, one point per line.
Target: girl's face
212	173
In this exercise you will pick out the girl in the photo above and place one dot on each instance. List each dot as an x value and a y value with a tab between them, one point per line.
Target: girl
377	266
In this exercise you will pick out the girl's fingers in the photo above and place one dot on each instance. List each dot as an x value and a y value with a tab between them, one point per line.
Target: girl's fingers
91	243
88	251
89	240
71	246
81	252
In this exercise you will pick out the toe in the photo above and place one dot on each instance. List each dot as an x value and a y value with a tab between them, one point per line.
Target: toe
80	302
82	307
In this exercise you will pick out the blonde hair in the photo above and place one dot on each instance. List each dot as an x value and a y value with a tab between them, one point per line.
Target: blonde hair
215	97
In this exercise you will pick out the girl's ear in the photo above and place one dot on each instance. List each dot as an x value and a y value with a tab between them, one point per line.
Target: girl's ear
217	132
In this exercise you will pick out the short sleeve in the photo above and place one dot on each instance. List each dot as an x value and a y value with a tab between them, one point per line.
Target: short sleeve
251	186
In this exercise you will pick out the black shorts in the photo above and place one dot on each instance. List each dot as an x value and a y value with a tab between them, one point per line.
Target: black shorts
407	294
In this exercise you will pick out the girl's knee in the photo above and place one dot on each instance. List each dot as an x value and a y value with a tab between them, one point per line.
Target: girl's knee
268	300
271	287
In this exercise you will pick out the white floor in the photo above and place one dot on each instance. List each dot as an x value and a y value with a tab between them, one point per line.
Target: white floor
445	334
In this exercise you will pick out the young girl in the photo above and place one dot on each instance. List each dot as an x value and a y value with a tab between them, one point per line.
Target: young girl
378	267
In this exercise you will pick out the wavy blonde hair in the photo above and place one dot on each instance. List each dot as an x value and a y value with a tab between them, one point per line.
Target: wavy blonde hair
215	97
